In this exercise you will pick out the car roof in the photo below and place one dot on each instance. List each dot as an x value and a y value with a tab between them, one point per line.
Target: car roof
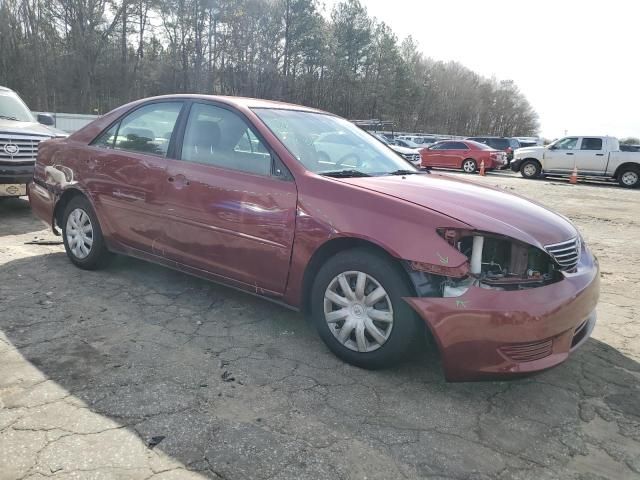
489	137
238	102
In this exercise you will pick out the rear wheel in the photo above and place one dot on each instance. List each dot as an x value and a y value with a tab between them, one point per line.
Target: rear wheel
82	236
358	310
629	177
469	165
530	169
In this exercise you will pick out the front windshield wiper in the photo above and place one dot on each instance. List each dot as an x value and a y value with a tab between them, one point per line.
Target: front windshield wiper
406	172
6	117
345	174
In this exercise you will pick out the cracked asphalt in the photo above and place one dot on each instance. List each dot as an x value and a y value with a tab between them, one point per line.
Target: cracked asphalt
139	372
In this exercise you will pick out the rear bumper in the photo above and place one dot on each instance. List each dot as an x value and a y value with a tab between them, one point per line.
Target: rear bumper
487	334
42	202
17	174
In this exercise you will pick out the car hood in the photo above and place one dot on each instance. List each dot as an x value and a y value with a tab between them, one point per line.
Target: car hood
404	150
29	128
528	151
482	208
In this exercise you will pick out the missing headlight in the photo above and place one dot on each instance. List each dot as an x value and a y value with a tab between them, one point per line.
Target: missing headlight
501	263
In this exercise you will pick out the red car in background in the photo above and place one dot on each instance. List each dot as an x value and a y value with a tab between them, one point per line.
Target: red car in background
372	249
464	154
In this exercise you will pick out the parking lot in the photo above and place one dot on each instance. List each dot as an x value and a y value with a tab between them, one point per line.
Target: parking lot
139	372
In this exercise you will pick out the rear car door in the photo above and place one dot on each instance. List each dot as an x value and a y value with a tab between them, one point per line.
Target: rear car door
231	203
562	156
126	174
591	158
456	152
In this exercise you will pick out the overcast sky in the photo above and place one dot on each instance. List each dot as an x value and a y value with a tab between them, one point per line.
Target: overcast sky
578	62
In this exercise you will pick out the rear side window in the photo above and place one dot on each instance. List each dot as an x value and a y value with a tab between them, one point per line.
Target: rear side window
221	138
591	144
148	129
513	143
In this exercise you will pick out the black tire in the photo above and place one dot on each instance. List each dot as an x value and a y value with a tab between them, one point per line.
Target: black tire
406	331
98	255
530	169
472	163
629	177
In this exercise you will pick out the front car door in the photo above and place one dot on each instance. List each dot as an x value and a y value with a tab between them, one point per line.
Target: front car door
126	174
561	156
591	158
231	203
441	154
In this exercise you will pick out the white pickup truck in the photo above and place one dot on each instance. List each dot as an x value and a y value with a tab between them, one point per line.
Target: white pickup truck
592	156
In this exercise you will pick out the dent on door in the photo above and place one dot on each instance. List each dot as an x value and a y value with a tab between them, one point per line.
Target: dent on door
230	223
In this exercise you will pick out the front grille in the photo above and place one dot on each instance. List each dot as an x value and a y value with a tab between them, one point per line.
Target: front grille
527	352
566	254
19	148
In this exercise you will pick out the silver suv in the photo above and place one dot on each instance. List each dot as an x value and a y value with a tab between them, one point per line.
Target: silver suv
20	134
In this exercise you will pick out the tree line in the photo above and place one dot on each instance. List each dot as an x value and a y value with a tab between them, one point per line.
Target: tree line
89	56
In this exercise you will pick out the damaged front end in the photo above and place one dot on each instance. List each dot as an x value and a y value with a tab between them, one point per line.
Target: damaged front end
495	262
511	308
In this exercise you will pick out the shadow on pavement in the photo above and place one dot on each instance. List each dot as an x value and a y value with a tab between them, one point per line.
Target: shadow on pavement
15	217
236	387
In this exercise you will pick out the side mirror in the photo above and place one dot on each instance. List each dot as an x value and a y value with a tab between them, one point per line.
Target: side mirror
46	119
551	147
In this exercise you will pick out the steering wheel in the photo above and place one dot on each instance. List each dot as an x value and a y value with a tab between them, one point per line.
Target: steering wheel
350	156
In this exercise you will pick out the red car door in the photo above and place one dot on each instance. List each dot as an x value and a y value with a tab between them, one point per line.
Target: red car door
456	152
125	173
433	156
231	213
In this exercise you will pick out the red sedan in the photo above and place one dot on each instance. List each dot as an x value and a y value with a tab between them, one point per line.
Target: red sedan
463	154
373	250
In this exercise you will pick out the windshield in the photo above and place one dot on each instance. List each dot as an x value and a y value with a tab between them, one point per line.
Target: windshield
326	144
13	108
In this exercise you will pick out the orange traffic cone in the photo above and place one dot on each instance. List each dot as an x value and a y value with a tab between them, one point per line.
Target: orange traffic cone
482	168
573	179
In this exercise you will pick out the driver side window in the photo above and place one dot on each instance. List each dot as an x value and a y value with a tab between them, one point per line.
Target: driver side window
221	138
569	143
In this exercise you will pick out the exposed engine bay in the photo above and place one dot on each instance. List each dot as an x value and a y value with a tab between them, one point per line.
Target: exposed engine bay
495	263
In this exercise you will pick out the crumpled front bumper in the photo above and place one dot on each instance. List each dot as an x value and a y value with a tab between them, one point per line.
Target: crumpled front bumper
487	334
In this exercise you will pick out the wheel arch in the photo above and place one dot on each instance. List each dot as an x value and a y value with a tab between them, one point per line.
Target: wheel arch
531	159
332	247
622	167
63	201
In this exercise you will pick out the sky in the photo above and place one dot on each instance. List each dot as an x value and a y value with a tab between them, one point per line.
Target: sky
577	62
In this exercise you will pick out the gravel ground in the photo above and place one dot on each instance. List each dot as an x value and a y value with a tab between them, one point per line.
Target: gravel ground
139	372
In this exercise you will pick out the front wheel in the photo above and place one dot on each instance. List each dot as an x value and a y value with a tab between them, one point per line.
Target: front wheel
469	165
629	177
530	169
358	310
